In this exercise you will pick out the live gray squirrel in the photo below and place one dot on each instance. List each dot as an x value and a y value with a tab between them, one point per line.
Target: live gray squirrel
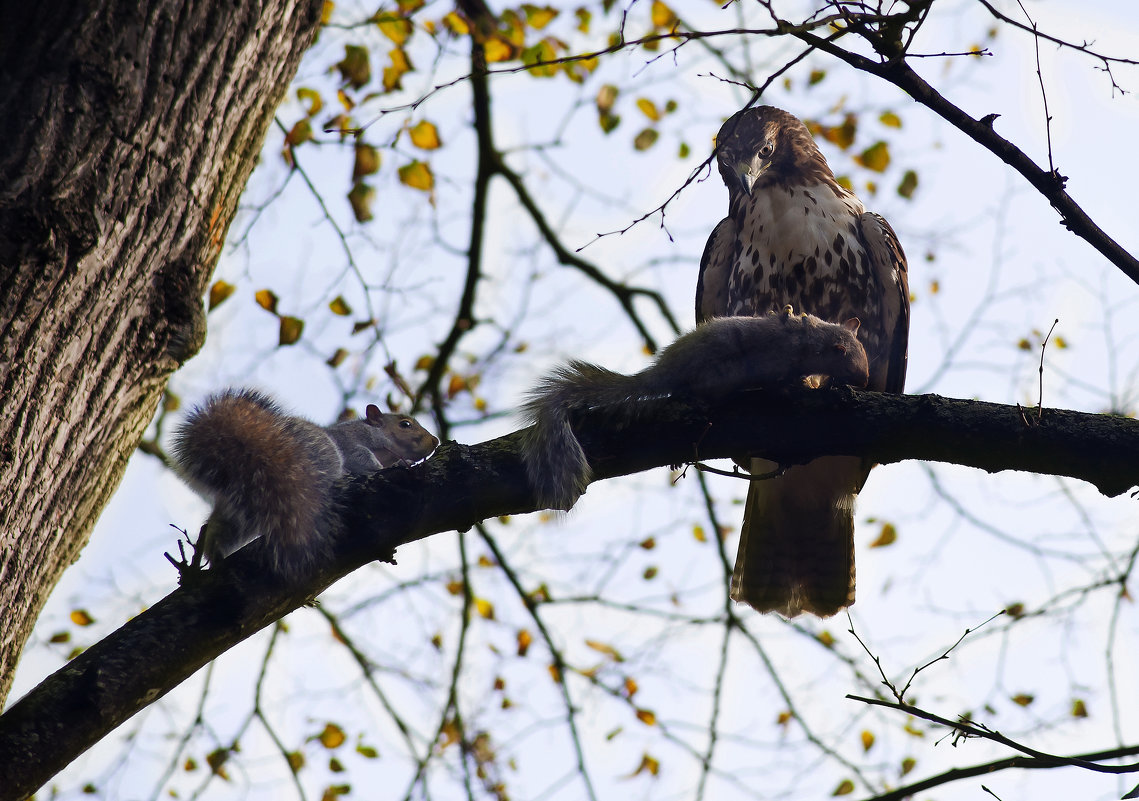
272	476
719	357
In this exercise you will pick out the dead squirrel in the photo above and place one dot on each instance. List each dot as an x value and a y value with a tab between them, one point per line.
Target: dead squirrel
719	357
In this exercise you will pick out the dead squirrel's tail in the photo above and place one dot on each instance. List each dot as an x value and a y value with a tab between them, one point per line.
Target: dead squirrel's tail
555	462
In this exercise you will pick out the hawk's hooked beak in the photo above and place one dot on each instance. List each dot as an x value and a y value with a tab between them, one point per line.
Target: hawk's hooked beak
748	172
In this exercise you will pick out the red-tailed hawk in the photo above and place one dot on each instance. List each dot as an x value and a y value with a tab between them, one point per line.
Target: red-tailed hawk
794	236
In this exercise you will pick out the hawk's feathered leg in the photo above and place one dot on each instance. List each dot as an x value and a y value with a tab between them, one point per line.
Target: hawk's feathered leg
796	550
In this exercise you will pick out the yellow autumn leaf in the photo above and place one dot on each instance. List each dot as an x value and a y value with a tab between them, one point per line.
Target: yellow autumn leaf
326	10
784	718
887	536
867	739
424	135
1023	699
890	119
296	760
908	764
876	157
337	358
449	734
301	132
645	139
648	543
397	29
498	50
1079	709
80	617
606	96
314	102
219	292
424	362
841	135
698	534
339	306
393	73
216	759
630	685
367	751
485	608
524	640
367	161
538	17
825	638
908	184
456	24
266	299
603	648
584	17
663	16
355	68
456	385
332	736
646	717
541	56
360	198
417	175
649	765
845	787
648	108
290	330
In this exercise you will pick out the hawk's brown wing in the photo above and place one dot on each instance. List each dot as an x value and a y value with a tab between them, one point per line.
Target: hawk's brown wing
715	268
889	264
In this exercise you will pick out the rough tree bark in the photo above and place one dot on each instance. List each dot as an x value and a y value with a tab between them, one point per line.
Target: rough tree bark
129	130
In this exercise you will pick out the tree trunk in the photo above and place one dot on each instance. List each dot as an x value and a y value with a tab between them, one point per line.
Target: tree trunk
129	130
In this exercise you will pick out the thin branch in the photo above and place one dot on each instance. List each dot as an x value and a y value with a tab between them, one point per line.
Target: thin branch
1049	183
985	768
965	728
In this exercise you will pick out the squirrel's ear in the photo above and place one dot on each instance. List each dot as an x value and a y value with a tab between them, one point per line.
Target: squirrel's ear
374	414
851	325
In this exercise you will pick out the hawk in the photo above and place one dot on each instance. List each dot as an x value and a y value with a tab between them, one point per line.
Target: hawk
794	236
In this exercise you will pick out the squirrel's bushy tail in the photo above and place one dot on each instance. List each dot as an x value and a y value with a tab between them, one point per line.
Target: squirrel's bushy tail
555	462
269	475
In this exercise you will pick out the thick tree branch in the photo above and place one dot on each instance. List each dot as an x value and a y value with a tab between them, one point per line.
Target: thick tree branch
463	484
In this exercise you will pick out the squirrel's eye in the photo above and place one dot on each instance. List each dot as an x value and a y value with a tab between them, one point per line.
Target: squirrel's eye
405	423
767	149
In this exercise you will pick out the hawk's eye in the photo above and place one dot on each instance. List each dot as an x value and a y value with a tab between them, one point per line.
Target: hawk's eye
767	149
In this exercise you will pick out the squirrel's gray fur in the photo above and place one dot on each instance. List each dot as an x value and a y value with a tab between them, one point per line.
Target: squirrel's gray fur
719	357
271	475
